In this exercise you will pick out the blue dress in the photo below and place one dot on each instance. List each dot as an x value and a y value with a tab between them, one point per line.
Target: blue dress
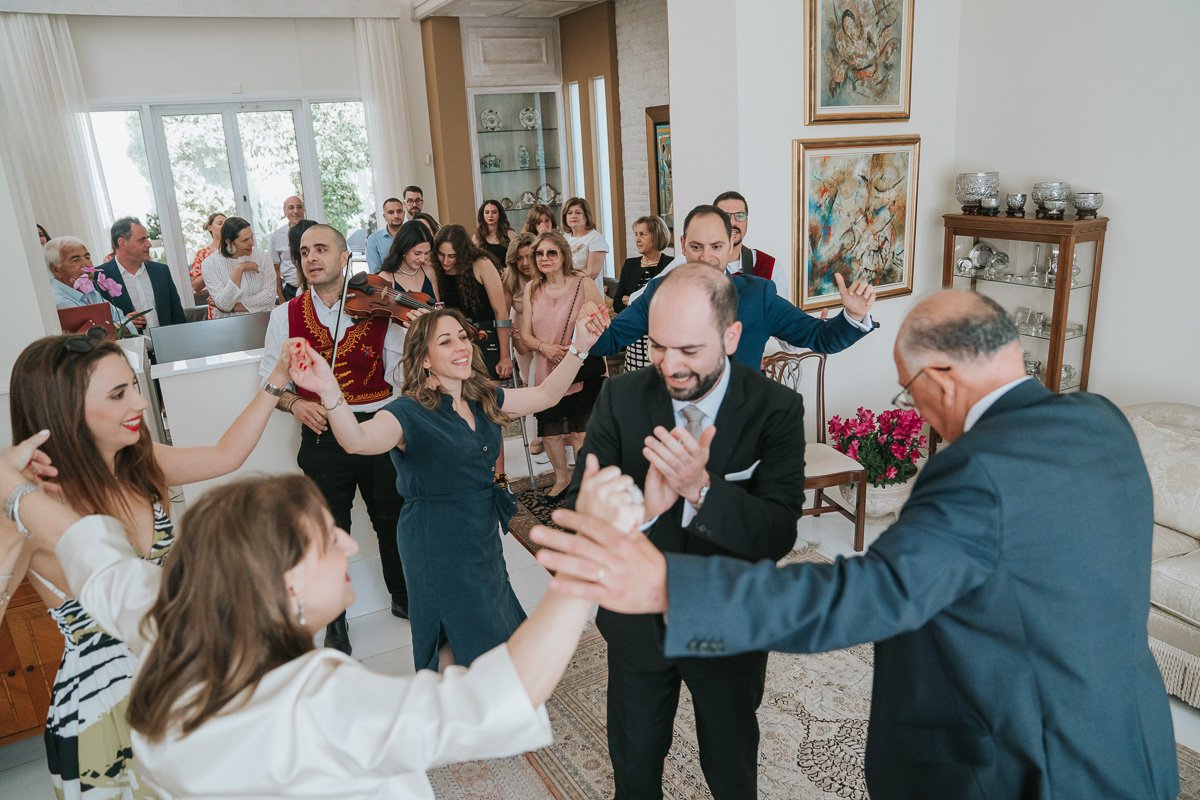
449	532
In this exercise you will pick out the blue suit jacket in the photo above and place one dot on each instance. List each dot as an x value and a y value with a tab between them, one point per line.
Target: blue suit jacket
166	296
762	312
1008	604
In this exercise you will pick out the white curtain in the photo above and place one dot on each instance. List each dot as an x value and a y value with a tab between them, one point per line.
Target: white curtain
381	79
47	124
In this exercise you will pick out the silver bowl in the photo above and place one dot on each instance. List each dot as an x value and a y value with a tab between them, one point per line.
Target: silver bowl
1087	203
971	187
1052	209
1051	190
1016	200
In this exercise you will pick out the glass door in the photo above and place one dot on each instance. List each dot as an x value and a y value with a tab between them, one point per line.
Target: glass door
271	161
202	182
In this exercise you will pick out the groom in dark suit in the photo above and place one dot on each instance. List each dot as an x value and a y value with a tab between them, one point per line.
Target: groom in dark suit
144	283
719	450
1008	603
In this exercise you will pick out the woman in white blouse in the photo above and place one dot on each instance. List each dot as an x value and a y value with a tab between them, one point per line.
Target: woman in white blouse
587	244
239	276
233	700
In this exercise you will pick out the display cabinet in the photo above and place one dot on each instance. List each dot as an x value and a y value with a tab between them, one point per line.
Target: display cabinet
518	149
1046	273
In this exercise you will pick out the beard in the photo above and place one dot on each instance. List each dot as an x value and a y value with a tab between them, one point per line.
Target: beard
704	383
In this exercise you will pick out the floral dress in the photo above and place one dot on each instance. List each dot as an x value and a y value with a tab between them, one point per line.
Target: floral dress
88	747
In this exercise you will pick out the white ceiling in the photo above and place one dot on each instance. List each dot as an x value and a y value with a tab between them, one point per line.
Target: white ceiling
496	8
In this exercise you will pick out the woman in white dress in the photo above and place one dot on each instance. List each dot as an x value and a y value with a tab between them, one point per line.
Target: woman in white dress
233	700
588	245
239	276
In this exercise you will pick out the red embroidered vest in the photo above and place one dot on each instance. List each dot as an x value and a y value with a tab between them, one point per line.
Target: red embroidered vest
359	367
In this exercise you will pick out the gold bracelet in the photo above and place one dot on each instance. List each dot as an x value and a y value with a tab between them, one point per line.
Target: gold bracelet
341	399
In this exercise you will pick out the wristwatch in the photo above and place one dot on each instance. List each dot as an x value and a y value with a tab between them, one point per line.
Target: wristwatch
575	351
272	389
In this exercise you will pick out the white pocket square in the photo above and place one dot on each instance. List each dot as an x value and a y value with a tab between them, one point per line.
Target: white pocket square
745	474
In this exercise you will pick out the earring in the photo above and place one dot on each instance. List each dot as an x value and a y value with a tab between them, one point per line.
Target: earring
300	611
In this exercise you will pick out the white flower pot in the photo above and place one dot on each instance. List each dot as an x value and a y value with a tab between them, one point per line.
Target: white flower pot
882	501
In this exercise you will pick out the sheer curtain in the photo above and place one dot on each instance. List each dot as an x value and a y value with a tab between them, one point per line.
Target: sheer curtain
47	124
381	79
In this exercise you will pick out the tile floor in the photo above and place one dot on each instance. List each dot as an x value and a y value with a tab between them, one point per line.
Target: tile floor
383	642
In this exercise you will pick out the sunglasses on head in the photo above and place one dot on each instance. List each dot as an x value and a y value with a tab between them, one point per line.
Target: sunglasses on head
86	342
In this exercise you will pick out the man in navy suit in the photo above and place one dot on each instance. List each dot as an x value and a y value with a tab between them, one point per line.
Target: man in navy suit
1008	602
146	284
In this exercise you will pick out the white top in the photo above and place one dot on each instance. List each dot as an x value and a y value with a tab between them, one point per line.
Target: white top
581	246
277	334
141	291
281	254
257	292
322	725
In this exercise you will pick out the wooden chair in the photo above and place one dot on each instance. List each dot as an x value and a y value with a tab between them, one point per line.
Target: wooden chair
824	467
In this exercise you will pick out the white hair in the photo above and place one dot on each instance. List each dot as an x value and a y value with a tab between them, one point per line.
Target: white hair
53	249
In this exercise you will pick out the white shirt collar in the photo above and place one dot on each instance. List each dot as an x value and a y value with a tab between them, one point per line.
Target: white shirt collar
987	401
710	404
127	271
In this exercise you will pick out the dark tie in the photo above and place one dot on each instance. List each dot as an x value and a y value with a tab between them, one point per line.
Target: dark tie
695	420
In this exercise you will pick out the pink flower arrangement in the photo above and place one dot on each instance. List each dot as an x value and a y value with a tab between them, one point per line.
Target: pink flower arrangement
91	277
886	444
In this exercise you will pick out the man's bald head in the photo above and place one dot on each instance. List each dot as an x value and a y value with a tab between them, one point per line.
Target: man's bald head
961	325
327	230
716	287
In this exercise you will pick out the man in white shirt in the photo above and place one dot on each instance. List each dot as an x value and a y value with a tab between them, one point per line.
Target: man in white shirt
314	315
287	282
145	284
380	242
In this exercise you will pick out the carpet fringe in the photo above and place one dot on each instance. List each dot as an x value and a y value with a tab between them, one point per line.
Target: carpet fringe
1180	671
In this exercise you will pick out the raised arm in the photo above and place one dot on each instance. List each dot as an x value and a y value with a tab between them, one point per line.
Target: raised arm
486	272
190	464
795	327
377	435
628	326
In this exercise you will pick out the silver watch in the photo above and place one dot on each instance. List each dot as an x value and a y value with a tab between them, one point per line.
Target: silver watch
272	389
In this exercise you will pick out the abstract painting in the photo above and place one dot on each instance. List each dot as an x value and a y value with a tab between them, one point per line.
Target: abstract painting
662	171
859	60
857	205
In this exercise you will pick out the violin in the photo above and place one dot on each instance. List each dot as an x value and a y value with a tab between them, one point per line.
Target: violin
370	295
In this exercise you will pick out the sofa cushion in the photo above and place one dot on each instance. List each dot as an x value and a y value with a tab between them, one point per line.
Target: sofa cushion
1173	460
1175	586
1170	543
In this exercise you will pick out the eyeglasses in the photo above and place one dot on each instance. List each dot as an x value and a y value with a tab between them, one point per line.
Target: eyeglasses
547	254
86	342
903	399
740	216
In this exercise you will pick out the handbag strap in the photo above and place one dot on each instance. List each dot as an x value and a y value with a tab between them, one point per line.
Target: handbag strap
570	313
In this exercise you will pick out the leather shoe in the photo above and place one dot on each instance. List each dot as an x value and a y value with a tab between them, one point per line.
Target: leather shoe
399	609
337	635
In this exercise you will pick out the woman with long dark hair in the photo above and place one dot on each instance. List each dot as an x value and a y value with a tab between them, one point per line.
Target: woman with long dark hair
233	700
469	280
406	265
443	434
492	231
82	390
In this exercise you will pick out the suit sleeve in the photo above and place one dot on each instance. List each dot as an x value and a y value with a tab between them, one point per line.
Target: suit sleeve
946	543
795	327
757	518
603	439
627	327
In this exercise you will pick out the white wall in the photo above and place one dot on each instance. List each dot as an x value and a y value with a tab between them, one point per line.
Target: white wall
642	75
737	103
1117	112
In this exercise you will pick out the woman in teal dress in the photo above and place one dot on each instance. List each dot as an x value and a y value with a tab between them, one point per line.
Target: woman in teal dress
444	434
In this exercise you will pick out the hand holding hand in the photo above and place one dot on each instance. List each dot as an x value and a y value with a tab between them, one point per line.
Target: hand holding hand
312	414
858	299
592	321
624	572
682	461
307	369
609	495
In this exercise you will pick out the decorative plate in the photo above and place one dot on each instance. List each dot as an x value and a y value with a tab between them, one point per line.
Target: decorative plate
506	203
529	118
491	120
558	198
528	199
545	194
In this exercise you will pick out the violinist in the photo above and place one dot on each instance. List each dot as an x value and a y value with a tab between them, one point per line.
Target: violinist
406	266
369	350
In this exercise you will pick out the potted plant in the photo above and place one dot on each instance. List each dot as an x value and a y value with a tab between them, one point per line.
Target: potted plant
888	445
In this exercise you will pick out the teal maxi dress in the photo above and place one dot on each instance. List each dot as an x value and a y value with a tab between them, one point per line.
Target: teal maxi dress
449	531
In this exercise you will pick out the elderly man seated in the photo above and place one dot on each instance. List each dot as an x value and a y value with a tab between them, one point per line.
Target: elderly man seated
67	258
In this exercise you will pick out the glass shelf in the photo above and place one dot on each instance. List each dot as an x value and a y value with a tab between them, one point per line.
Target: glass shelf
527	169
1015	282
1046	335
515	130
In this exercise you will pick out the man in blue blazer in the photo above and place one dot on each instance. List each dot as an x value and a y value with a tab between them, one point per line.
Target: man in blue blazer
1008	602
145	283
762	312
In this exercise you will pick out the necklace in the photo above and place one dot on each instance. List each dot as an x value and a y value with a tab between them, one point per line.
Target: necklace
409	273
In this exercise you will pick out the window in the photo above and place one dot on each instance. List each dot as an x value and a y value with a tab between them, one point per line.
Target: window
121	153
344	165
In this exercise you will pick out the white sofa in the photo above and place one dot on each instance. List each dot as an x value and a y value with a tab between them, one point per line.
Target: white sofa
1169	436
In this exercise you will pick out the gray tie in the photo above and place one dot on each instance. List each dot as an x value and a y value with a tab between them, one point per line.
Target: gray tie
695	420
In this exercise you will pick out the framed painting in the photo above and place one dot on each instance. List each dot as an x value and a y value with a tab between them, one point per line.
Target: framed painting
658	141
859	66
856	215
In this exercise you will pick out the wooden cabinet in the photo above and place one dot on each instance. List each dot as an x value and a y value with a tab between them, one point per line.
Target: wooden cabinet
30	650
1048	281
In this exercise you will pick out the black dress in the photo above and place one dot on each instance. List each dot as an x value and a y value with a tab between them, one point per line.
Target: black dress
467	294
633	277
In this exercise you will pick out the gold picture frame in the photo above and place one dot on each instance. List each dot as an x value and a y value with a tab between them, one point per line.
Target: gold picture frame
858	60
855	214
